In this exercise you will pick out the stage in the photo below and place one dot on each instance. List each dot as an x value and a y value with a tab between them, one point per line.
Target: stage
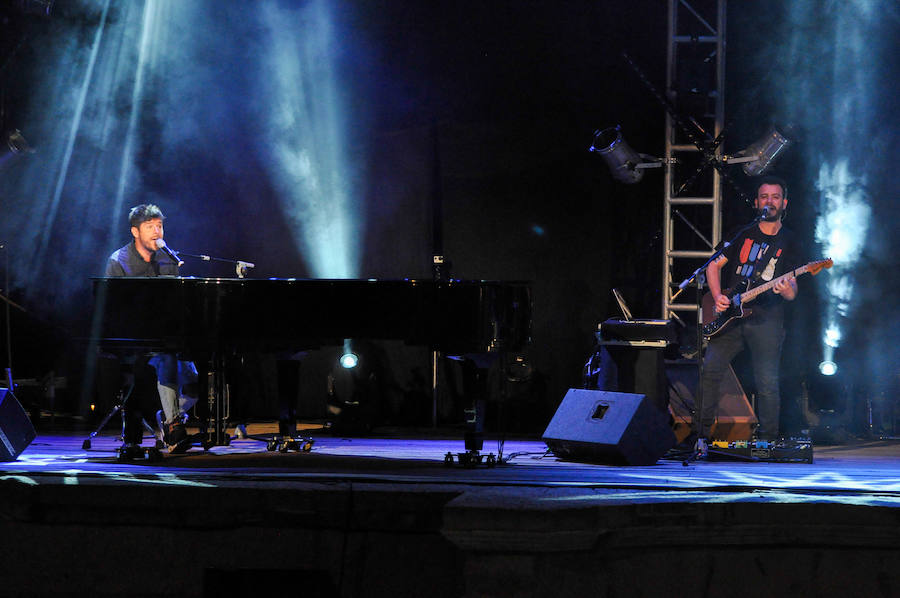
385	515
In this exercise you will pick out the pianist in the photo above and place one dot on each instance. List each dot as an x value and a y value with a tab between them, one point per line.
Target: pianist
141	258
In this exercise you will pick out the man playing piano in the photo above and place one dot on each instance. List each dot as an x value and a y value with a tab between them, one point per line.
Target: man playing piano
142	258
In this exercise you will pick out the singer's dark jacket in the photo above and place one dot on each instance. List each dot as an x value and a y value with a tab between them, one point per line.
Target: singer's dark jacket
126	261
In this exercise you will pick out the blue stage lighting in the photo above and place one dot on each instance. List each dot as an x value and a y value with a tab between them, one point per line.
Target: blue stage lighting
836	105
828	368
349	360
307	143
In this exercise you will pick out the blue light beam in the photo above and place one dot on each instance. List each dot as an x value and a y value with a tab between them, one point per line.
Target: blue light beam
841	228
306	140
835	101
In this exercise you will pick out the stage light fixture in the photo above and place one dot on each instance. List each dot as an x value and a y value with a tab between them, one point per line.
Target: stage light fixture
759	156
14	144
828	368
625	164
349	359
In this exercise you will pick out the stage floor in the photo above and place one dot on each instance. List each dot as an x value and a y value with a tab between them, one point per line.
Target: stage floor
862	473
384	515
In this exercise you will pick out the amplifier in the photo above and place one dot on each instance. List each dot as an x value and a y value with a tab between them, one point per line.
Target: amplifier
637	333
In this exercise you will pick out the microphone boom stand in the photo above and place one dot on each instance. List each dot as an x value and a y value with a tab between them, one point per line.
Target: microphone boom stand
241	266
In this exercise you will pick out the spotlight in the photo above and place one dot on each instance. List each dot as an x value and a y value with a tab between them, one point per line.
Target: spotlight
828	368
14	144
625	164
759	156
349	359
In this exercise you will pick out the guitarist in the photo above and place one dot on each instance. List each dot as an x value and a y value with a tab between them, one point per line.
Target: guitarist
764	252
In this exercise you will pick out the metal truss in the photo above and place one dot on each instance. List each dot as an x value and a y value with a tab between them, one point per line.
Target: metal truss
695	84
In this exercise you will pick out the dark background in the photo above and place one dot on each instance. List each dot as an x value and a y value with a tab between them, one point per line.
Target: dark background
505	96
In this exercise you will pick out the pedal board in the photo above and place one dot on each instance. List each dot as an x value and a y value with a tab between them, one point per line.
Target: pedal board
785	450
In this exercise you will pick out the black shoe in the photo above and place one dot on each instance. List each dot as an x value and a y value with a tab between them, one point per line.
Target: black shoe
129	452
177	439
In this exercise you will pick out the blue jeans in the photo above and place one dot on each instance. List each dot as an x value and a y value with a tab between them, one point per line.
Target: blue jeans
176	382
764	335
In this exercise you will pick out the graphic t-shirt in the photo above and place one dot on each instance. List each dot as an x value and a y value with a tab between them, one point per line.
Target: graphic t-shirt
760	258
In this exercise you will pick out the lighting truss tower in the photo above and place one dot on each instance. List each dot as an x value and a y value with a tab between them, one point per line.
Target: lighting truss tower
695	84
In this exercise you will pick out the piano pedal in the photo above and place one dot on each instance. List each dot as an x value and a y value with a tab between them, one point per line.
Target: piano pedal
471	459
283	444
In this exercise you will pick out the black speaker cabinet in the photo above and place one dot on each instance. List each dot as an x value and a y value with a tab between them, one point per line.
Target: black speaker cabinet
640	370
616	428
16	431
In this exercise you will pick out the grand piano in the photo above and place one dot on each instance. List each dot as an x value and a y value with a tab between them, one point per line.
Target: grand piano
207	319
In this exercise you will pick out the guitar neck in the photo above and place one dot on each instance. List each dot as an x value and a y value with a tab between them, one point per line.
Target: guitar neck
756	291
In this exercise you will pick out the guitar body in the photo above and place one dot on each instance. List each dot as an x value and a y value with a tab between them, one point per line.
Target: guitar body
739	295
714	323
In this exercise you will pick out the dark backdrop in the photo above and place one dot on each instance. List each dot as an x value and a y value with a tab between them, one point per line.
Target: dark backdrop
490	104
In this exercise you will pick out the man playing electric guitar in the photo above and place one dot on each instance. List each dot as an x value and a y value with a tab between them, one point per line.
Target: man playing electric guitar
764	252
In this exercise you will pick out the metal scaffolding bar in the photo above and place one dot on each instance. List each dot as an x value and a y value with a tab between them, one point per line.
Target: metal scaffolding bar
695	85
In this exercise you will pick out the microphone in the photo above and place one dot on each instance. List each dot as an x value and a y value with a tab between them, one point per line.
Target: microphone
161	245
764	213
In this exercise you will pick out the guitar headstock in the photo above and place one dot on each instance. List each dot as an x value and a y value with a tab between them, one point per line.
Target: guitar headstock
816	267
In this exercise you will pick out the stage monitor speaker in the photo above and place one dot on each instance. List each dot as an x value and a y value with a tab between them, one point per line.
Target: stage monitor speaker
735	419
615	428
16	431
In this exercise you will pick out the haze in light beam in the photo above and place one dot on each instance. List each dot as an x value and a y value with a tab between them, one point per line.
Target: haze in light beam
835	76
841	230
306	140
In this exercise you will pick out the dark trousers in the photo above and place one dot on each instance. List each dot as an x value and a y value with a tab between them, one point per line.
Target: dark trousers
763	335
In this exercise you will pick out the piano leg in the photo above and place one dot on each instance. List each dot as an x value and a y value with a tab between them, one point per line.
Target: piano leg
474	436
217	403
475	389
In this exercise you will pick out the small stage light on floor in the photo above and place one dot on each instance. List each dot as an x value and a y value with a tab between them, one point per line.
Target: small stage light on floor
625	164
349	359
828	368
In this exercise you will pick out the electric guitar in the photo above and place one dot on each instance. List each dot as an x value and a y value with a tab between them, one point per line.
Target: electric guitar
714	323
